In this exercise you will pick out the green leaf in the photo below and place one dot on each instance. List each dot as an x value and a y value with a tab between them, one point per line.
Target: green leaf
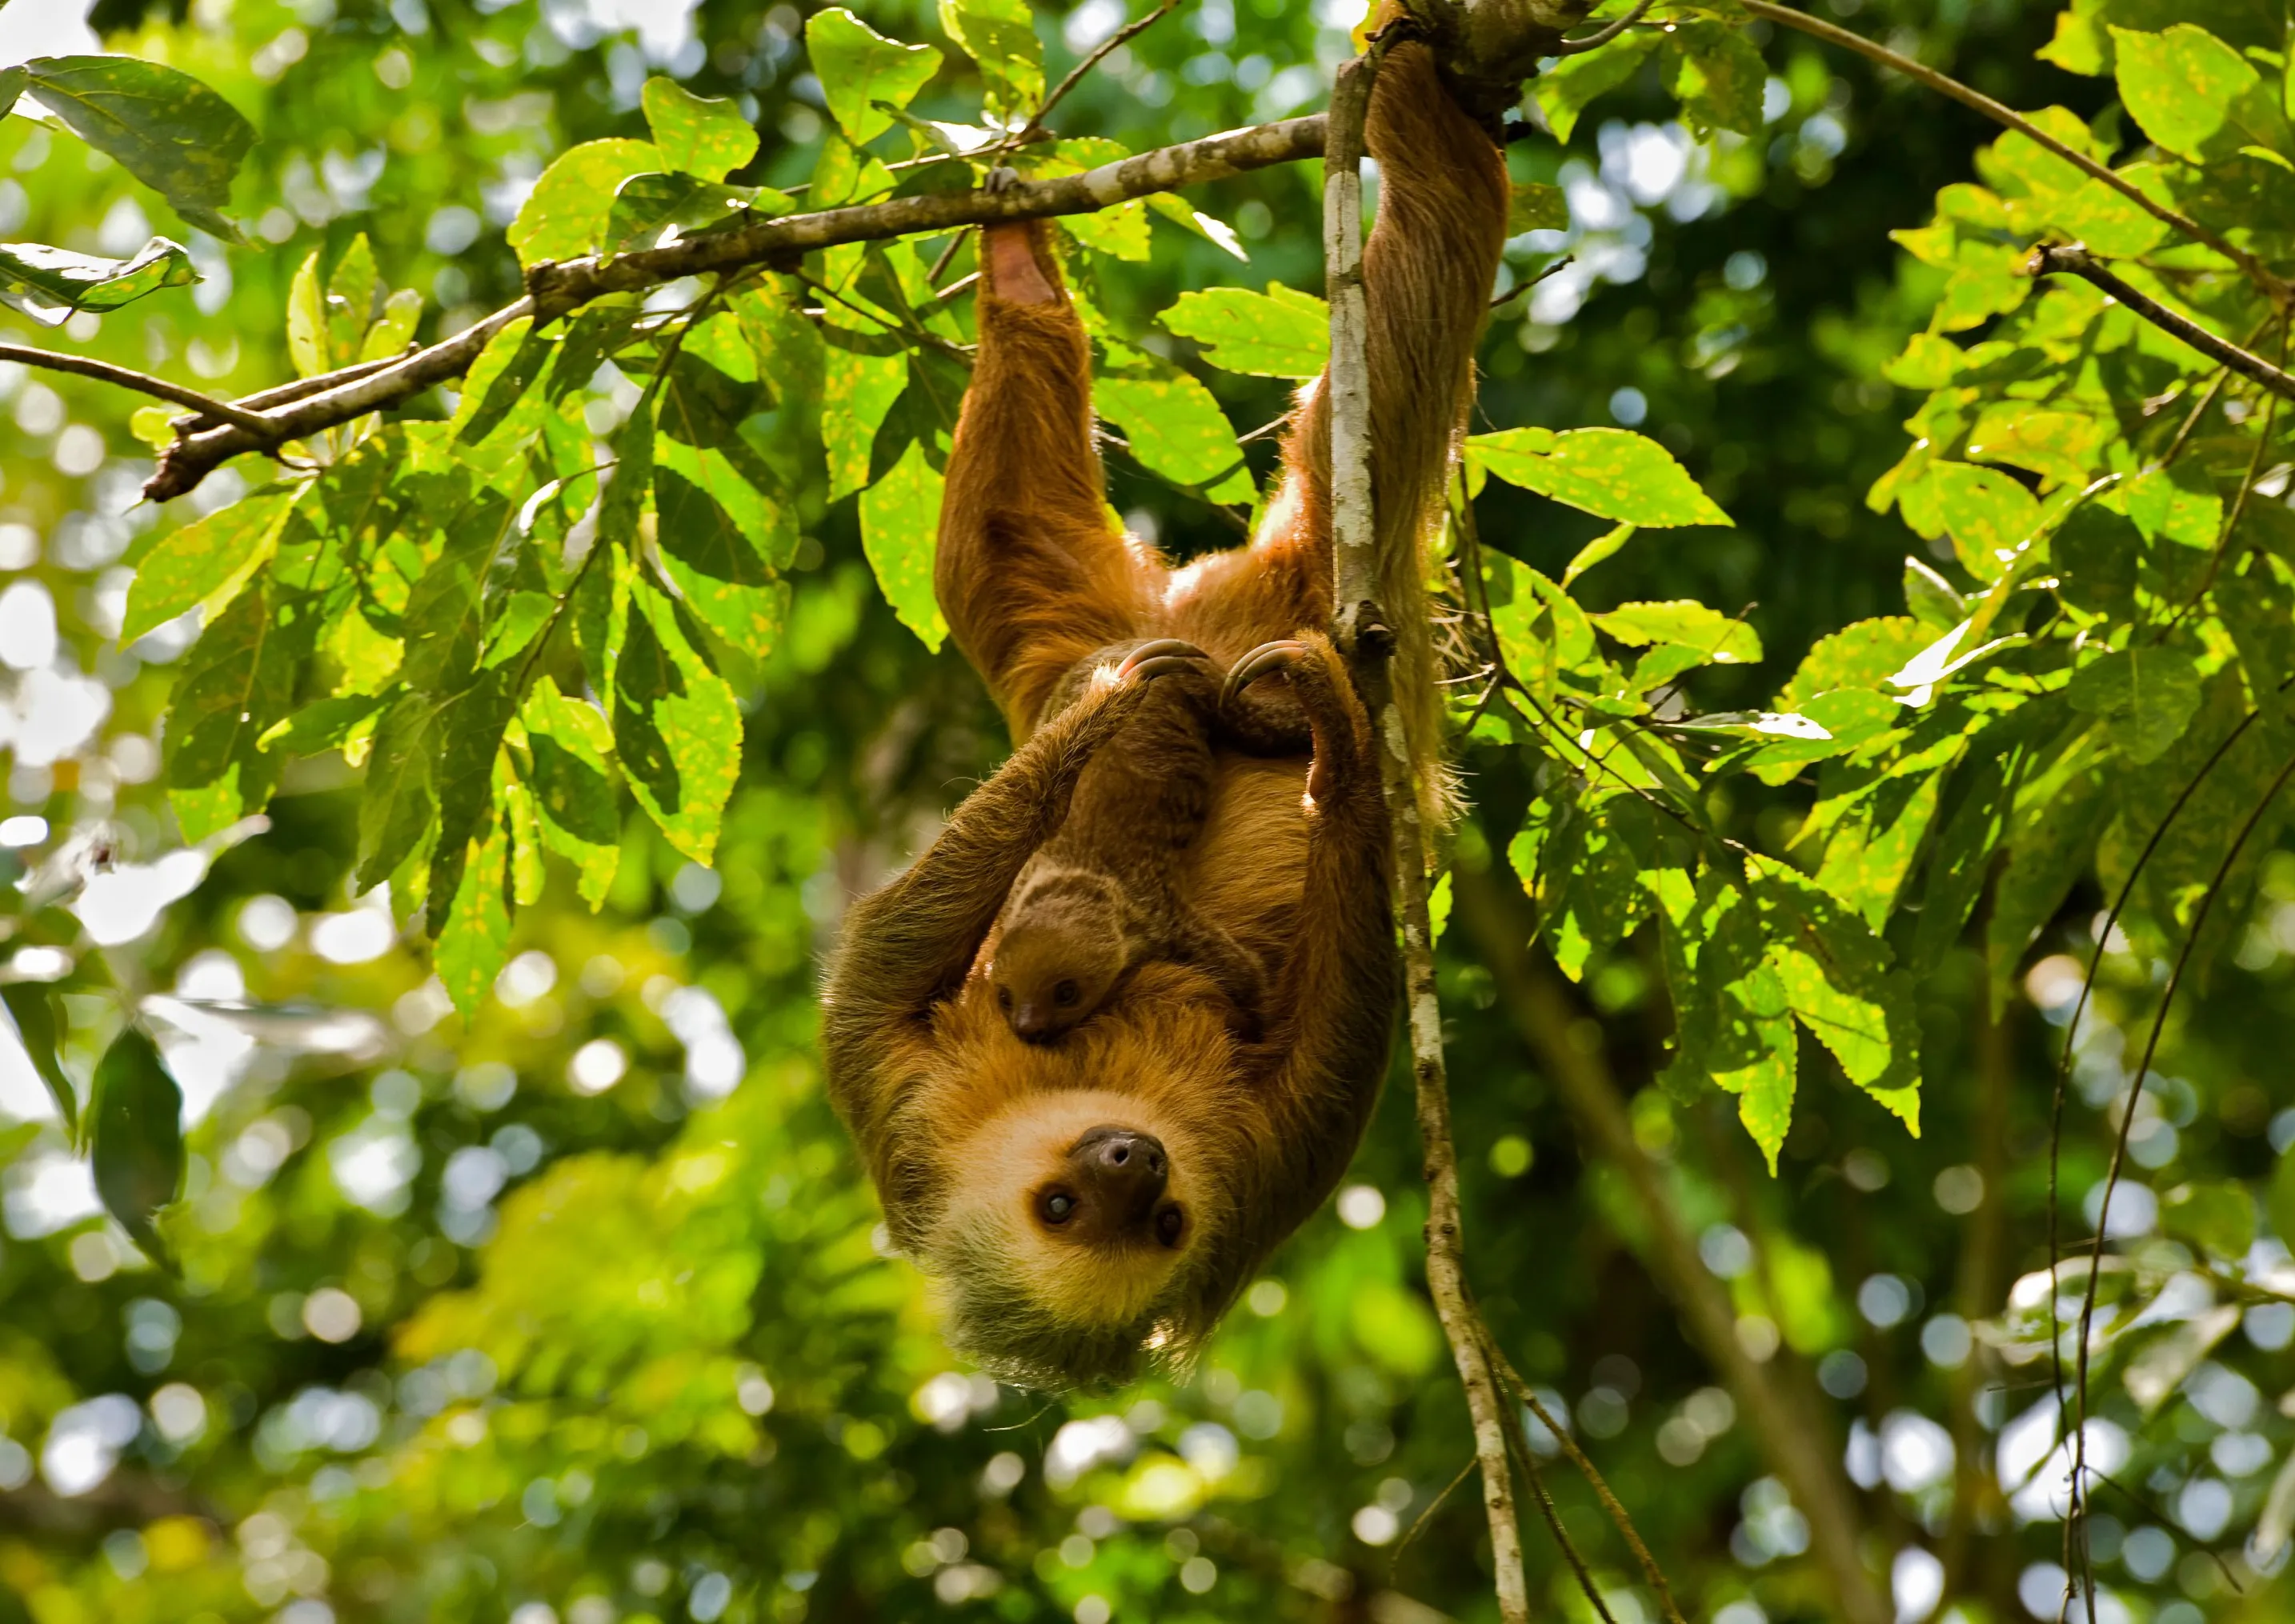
467	734
1840	982
655	210
1724	641
40	1025
2144	696
857	391
2176	505
1927	362
1564	90
2217	1214
1718	76
351	291
136	1133
569	743
1931	598
2058	818
703	136
157	123
676	726
1611	473
46	283
564	217
12	81
474	940
326	725
1176	429
238	679
499	403
444	624
1989	516
1533	207
999	36
1280	333
1863	654
900	521
1602	546
2193	94
207	561
708	552
858	67
395	812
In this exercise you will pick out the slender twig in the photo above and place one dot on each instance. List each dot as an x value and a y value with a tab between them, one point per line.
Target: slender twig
955	288
1603	37
127	377
2076	1512
1265	430
1519	1437
2278	291
1418	1523
1355	566
2051	259
946	255
1124	36
1521	288
1595	1480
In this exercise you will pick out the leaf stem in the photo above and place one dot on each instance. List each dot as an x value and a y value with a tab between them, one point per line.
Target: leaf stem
2277	290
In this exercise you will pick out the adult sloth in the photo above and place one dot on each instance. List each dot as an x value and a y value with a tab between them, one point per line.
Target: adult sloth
1088	1203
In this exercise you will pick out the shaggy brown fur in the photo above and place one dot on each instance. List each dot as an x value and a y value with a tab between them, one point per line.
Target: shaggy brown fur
1103	896
973	1135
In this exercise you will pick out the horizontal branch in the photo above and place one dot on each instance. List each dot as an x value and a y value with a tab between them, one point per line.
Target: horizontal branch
553	290
2071	259
2275	288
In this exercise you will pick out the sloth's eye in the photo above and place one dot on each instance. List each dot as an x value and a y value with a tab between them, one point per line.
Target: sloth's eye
1004	997
1168	1224
1064	994
1057	1208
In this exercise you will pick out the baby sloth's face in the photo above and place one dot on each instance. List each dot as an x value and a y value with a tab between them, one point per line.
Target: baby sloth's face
1054	968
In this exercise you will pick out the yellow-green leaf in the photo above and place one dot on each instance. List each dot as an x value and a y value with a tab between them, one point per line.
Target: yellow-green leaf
858	67
1612	473
703	136
1280	333
900	522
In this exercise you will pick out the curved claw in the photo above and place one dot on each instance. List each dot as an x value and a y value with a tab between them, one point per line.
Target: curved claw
1003	177
1147	671
1161	649
1262	661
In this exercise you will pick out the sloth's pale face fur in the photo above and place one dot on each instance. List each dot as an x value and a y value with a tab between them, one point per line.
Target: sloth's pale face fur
1048	1294
1020	1159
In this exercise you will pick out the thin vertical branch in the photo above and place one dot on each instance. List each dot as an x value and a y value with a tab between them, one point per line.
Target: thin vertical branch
1366	641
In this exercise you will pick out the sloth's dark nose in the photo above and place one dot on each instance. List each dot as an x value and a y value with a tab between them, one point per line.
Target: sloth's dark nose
1130	1167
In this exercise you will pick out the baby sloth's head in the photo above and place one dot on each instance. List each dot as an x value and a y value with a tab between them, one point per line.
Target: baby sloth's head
1062	950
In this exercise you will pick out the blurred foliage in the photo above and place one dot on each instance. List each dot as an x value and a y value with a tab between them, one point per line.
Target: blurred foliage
546	1288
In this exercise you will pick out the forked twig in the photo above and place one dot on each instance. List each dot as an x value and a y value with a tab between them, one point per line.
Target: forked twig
1603	37
1124	36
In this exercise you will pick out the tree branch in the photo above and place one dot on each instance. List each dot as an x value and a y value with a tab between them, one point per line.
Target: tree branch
127	377
553	290
2070	258
1796	1451
2278	291
1365	641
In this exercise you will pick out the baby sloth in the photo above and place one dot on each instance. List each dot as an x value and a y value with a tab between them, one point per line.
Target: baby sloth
1102	897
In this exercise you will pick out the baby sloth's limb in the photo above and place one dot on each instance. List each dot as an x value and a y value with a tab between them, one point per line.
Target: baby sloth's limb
909	945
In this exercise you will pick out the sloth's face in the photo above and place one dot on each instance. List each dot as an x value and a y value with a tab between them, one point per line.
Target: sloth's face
1083	1202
